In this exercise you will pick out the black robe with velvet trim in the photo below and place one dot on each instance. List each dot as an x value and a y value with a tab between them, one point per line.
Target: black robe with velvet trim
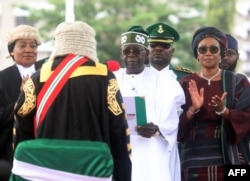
88	107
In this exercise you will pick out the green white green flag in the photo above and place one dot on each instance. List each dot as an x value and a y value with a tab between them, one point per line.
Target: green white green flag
67	160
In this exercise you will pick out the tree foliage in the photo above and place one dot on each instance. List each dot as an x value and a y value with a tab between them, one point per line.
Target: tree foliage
110	18
221	14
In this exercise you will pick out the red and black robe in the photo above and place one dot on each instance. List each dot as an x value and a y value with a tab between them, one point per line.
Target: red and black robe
88	107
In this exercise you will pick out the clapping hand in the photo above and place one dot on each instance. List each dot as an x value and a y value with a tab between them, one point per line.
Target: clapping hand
197	96
217	102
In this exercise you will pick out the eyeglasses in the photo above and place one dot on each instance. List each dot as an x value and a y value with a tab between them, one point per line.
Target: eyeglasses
135	51
163	45
230	53
212	49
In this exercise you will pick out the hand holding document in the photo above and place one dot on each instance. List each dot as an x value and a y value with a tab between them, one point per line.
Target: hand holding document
136	112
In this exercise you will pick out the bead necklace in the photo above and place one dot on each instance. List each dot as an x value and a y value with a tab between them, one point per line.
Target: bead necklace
211	78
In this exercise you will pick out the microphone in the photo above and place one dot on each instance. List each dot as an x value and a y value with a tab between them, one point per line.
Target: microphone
113	65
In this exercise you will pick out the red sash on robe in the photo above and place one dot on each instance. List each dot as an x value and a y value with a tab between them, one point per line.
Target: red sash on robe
54	84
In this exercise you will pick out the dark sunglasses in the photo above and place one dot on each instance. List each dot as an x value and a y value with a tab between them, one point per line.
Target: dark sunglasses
204	49
135	51
163	45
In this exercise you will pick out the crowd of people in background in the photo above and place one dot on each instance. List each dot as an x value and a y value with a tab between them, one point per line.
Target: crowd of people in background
196	121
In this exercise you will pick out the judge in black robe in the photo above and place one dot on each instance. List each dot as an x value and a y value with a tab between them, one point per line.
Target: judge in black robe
23	41
89	106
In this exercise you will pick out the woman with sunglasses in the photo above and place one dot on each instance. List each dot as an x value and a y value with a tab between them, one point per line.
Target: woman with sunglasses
214	127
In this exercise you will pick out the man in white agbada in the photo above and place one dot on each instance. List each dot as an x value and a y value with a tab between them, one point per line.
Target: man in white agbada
134	53
154	146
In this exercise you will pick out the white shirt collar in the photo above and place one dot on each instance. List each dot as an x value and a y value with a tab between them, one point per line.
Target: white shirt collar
24	71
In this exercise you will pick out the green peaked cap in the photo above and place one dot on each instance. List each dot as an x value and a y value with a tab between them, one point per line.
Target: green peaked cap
135	35
161	32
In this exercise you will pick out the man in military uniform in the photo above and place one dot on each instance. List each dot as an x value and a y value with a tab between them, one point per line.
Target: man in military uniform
161	38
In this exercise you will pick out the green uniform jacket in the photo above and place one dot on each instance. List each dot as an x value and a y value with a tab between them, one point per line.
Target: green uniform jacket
180	71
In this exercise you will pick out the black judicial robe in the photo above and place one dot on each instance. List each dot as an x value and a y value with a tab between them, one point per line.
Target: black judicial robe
88	107
10	82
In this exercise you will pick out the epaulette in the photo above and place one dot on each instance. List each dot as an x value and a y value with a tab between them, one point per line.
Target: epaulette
182	69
